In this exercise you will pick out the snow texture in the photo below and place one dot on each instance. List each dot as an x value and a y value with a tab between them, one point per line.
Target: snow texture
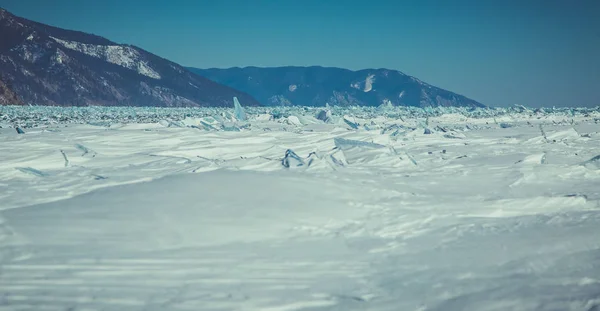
191	209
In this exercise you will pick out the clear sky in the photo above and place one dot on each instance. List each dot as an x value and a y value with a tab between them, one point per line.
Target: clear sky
530	52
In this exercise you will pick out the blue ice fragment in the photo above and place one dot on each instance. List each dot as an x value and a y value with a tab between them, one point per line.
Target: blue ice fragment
238	111
411	158
231	128
32	171
207	126
505	125
345	143
427	131
324	115
83	149
20	130
353	125
291	159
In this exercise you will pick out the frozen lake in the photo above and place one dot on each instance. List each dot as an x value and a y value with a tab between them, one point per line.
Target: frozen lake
363	214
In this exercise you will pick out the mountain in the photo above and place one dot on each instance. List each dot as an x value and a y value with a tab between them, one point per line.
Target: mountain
316	86
7	96
45	65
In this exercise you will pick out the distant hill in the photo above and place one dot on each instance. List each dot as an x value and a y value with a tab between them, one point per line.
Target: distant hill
45	65
316	86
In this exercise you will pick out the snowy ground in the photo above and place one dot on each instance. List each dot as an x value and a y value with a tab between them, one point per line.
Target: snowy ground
477	215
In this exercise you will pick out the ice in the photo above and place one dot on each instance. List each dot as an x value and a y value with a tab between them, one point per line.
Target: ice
85	150
131	208
239	112
348	143
32	171
207	126
264	117
293	120
291	160
350	122
593	163
20	130
470	117
324	115
231	127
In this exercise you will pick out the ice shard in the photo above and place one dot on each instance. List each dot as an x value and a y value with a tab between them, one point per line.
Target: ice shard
291	159
324	115
31	171
238	112
350	123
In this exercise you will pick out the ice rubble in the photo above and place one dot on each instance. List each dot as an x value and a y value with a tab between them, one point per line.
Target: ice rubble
391	118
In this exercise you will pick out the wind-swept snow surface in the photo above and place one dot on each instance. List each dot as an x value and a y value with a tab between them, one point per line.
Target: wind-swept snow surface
354	211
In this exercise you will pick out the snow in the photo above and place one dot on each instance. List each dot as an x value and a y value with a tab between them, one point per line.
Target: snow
167	209
123	56
369	83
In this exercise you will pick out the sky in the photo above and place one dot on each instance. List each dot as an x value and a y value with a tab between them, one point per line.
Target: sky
501	53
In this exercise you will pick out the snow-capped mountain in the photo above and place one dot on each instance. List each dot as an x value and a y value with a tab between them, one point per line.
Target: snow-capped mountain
316	86
45	65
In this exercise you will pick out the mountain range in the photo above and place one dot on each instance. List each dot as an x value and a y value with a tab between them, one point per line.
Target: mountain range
317	86
46	65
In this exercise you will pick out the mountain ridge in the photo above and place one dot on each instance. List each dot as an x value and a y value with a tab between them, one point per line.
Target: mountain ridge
48	65
321	85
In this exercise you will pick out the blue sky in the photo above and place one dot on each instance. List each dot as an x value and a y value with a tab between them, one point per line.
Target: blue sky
530	52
